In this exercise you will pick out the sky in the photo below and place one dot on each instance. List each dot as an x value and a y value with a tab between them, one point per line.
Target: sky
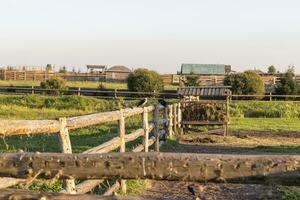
156	34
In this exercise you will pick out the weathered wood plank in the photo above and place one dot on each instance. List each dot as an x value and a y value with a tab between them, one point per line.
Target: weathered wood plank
115	142
26	127
8	182
87	186
146	130
141	147
202	122
280	169
65	145
112	189
32	195
122	145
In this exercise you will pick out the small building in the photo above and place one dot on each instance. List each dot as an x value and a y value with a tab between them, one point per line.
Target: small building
197	93
117	73
208	74
205	69
97	69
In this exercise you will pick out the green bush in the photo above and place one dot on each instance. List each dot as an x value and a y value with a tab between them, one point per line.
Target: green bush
191	81
144	80
246	83
54	86
288	84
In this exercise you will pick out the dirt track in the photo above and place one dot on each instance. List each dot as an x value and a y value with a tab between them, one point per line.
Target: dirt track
201	143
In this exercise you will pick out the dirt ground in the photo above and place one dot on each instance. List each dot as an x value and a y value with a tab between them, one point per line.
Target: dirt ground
234	144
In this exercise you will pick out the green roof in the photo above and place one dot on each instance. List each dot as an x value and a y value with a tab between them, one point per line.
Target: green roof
203	69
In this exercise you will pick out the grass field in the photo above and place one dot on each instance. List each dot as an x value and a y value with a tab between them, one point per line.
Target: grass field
264	125
51	107
87	84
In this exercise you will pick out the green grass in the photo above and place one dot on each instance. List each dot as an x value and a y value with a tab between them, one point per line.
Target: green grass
274	109
289	192
264	125
86	84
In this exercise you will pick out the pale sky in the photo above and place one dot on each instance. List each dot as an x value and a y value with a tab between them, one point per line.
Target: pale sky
157	34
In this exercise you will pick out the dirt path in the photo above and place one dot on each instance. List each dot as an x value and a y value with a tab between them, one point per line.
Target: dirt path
217	144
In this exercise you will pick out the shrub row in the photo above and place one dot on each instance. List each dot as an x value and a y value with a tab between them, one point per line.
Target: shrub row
265	109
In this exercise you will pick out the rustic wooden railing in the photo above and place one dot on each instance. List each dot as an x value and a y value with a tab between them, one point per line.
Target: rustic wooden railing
63	125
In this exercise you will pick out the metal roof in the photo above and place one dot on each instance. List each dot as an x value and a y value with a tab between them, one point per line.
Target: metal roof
203	91
203	69
119	68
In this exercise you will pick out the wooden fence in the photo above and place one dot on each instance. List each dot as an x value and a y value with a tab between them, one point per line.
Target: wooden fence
152	133
105	93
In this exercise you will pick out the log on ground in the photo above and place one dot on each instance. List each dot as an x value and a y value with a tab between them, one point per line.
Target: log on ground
7	194
280	169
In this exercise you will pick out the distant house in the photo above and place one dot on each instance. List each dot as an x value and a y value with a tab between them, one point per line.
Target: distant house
205	69
117	73
99	69
208	74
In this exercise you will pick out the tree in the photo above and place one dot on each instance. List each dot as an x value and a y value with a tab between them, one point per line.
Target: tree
246	83
272	69
49	67
144	80
54	86
63	70
191	80
287	84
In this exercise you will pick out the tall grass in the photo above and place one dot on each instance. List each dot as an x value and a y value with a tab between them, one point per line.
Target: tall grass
260	109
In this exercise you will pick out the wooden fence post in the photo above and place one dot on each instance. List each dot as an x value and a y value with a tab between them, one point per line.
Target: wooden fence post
122	145
146	130
165	117
227	116
180	118
170	121
32	89
156	127
65	145
78	92
175	117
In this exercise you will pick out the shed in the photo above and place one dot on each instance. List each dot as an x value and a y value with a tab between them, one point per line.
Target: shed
217	91
96	68
117	73
205	69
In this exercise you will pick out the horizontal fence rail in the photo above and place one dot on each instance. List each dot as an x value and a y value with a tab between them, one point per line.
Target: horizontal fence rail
281	169
151	133
18	127
114	93
87	92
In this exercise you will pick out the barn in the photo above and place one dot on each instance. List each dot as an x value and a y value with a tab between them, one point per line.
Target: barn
208	74
117	73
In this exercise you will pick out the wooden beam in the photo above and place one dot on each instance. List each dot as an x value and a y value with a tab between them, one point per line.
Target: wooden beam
115	142
156	127
146	130
170	121
32	195
202	122
281	169
26	127
65	145
8	182
122	145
